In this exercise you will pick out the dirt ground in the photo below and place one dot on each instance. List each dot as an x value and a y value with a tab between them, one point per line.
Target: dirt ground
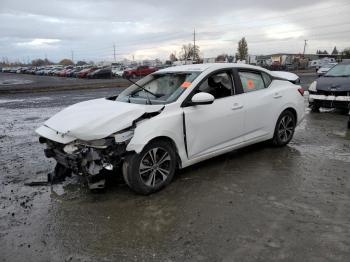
255	204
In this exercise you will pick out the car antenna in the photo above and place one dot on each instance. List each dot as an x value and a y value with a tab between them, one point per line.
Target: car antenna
144	89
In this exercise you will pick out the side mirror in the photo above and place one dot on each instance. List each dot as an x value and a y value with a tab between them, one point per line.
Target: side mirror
202	98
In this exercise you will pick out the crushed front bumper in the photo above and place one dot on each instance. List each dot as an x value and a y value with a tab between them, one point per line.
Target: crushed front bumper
330	101
86	160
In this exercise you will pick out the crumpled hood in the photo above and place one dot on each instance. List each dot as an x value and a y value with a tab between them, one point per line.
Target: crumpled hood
98	118
334	84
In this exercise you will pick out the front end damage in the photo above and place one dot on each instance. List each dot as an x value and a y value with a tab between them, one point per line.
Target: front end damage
90	138
87	158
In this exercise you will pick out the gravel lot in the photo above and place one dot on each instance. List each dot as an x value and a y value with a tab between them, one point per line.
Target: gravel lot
255	204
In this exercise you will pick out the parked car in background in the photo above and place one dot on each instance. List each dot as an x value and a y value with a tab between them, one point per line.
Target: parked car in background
140	71
105	72
118	71
172	119
40	71
83	73
331	90
325	68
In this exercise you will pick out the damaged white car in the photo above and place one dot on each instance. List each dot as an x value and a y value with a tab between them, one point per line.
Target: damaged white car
171	119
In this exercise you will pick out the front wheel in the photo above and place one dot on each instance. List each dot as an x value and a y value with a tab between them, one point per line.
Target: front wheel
314	108
284	129
152	169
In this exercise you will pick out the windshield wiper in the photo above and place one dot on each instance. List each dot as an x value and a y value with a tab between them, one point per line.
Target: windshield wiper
144	89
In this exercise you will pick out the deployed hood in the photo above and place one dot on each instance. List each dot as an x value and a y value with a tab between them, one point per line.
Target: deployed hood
96	119
334	84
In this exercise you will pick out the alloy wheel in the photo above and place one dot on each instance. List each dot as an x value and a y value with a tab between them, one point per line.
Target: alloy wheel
286	128
155	166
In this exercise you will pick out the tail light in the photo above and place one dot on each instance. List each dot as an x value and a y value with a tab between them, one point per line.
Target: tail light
301	91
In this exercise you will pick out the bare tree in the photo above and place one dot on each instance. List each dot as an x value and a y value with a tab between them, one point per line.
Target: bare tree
173	57
189	51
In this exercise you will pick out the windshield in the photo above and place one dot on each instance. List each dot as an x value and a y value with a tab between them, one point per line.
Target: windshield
339	70
159	88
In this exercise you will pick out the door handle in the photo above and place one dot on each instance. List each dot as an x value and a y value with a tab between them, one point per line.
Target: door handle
277	95
237	106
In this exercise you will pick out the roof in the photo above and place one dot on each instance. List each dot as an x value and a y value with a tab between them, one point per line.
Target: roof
203	67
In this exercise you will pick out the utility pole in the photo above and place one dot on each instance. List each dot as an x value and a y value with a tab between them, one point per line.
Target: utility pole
305	43
114	53
72	55
194	44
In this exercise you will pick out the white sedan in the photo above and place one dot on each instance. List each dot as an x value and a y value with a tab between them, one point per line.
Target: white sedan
172	119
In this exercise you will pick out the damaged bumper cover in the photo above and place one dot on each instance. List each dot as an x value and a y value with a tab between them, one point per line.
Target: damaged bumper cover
330	101
87	158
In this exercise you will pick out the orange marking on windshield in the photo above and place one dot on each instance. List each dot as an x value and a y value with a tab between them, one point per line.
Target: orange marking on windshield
250	84
186	84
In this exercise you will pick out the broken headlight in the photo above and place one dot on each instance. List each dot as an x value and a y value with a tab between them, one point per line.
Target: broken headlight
99	143
312	87
123	136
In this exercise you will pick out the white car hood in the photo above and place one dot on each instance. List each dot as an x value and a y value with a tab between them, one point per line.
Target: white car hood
98	118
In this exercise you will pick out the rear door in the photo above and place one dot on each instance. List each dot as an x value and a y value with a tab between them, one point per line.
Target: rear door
260	103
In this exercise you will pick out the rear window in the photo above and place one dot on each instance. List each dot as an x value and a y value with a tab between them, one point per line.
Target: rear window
251	81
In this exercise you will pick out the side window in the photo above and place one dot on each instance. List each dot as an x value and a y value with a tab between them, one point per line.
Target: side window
251	81
219	85
267	79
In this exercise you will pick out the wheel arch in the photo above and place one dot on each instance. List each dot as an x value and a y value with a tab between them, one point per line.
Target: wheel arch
168	140
293	111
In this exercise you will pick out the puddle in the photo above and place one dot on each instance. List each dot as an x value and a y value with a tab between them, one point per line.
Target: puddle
15	82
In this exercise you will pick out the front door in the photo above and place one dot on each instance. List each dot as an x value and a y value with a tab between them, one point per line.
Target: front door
213	127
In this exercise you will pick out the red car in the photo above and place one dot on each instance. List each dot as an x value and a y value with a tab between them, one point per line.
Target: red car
83	73
139	72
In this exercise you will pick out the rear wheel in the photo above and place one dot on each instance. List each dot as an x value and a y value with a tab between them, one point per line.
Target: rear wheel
152	169
284	129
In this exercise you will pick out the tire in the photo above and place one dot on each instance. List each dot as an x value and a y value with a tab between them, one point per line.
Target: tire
314	108
60	173
158	160
284	129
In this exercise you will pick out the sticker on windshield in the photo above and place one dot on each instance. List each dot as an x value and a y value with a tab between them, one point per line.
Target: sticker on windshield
250	84
186	84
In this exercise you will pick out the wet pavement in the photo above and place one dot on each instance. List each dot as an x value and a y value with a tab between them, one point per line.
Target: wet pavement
24	83
255	204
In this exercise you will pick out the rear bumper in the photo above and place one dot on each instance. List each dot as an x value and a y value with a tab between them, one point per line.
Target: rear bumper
330	101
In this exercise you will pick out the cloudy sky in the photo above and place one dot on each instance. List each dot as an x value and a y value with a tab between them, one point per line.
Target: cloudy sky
148	29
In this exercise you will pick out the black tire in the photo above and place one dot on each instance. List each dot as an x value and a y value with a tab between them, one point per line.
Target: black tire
314	108
344	111
60	173
153	176
284	129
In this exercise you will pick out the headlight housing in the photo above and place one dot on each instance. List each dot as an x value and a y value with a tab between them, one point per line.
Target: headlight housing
123	136
312	87
99	143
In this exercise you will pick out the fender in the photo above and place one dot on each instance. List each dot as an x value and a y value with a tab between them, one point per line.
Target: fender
171	127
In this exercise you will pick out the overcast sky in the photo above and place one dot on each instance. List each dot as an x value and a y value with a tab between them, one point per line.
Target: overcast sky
151	29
